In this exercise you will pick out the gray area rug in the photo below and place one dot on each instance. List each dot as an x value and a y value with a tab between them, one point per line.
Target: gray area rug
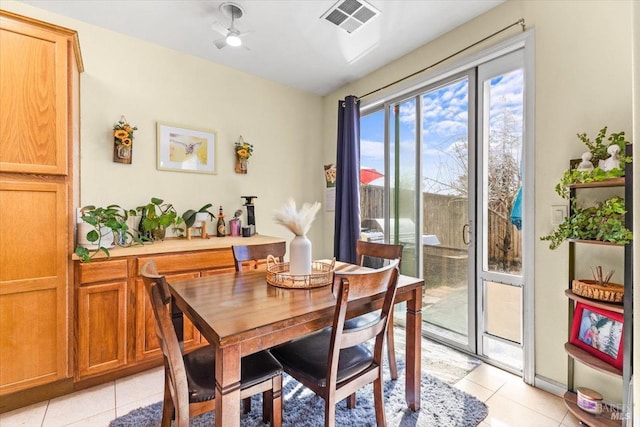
441	406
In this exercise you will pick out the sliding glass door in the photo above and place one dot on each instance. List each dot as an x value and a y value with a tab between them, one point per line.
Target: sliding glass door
500	262
451	190
448	148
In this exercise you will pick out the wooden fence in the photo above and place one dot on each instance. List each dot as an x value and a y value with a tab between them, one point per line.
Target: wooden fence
445	216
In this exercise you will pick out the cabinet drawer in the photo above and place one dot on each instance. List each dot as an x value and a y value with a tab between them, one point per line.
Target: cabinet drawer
195	261
102	271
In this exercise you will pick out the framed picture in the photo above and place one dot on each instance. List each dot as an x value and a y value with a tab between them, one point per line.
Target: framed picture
186	149
598	332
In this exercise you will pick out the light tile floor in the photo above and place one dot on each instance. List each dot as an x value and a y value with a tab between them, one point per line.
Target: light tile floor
511	402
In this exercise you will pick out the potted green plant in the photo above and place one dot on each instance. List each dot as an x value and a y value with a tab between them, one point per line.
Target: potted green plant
102	228
157	216
603	222
596	155
190	216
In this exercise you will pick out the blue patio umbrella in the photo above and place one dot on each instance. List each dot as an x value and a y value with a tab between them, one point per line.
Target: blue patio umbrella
516	210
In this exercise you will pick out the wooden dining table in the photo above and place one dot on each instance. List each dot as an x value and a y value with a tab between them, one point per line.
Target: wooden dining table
240	314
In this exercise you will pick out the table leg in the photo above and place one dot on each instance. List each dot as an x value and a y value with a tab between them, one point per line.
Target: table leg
414	349
227	386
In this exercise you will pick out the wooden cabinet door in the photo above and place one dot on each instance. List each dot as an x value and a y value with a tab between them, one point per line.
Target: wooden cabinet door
102	326
146	340
101	317
34	327
34	102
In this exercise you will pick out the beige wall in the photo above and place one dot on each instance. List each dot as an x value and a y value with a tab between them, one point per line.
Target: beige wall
148	84
582	82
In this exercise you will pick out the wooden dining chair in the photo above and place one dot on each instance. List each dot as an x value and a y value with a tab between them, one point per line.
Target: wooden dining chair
378	253
254	257
189	385
335	365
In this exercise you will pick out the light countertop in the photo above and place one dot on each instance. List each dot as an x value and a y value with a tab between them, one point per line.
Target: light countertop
182	245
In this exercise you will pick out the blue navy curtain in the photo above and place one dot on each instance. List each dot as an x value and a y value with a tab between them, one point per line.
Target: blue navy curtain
347	221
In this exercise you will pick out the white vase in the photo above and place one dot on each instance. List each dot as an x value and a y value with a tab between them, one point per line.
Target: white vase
106	240
300	255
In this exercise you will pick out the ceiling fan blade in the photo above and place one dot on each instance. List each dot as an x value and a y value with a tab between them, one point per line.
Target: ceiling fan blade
220	43
244	33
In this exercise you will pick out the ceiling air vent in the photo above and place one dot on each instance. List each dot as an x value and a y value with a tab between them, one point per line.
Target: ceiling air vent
350	14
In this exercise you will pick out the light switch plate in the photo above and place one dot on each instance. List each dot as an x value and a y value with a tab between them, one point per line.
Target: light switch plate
558	214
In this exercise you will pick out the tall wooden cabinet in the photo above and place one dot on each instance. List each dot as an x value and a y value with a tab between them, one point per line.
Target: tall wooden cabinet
39	133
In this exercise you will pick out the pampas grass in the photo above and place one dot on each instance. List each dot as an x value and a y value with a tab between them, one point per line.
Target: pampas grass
298	223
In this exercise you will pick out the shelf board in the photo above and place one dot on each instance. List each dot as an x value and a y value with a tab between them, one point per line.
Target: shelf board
612	182
602	420
591	361
616	308
595	242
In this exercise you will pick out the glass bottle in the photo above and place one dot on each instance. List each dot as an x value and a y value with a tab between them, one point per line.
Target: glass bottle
221	230
143	233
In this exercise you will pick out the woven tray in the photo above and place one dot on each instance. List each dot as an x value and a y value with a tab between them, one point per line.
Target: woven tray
278	275
589	289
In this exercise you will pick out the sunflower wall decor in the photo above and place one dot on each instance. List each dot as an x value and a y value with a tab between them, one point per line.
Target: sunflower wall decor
123	141
243	151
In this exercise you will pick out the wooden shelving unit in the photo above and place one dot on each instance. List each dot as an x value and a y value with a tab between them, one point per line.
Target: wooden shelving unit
610	416
593	242
591	361
616	308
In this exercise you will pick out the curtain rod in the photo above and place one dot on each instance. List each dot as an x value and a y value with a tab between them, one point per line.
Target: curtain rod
519	22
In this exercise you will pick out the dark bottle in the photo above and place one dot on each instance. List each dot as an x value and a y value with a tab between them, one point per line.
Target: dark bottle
221	230
143	233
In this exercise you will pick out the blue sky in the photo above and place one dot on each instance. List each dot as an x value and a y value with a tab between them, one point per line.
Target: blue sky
444	127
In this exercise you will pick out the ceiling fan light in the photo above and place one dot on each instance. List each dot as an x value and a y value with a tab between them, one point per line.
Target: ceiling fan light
233	40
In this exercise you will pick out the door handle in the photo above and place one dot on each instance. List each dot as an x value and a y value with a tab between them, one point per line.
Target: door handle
465	234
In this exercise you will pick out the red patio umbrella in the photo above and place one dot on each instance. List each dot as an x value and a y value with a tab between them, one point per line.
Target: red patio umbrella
369	174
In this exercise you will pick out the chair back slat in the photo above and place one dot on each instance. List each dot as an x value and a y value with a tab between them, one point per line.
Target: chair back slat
254	257
354	289
372	254
176	375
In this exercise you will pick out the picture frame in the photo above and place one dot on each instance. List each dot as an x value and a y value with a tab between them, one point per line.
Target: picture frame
599	332
186	149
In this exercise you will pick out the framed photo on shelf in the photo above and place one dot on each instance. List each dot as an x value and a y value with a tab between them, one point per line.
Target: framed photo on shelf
599	333
186	149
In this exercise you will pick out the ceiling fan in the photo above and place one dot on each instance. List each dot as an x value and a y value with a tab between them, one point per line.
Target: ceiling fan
232	36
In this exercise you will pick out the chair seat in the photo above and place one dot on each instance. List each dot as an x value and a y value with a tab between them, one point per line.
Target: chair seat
200	367
309	356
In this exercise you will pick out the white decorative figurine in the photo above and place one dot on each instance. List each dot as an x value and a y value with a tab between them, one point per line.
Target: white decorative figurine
612	162
586	165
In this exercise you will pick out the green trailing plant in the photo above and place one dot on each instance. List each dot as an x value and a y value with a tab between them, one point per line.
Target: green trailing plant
158	217
603	222
598	150
574	176
105	221
189	216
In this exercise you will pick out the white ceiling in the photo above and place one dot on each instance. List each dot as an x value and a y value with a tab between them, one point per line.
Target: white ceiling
289	42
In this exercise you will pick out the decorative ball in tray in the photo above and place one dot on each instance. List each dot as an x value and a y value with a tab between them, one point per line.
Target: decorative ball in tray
278	274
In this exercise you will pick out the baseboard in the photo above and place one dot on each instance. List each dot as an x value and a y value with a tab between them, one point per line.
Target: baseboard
19	399
549	386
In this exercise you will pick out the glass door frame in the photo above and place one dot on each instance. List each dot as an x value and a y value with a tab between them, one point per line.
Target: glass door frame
497	67
402	91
